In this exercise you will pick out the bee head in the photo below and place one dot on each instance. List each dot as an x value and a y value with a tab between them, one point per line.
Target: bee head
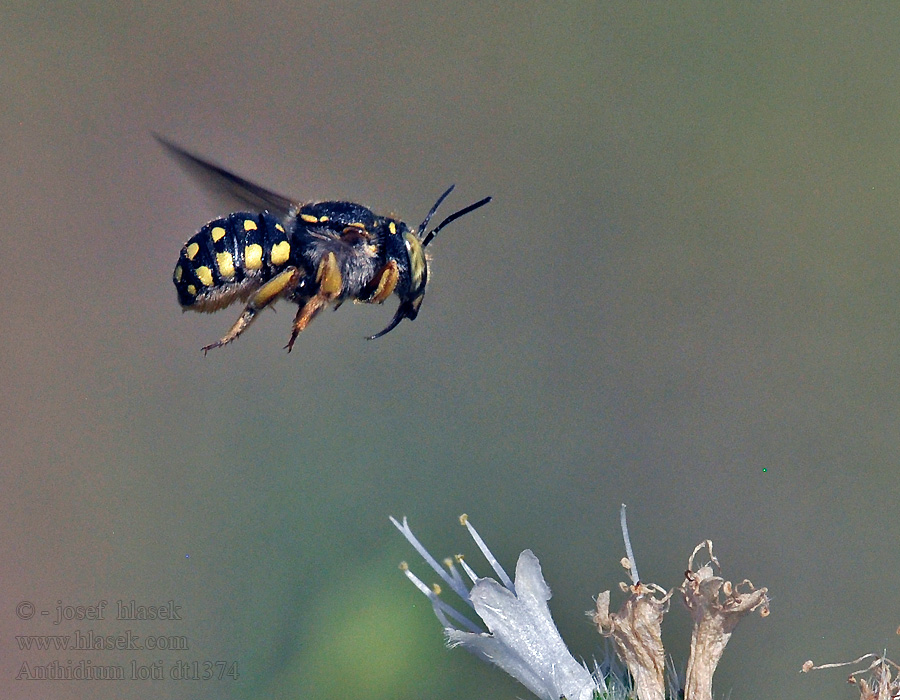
407	248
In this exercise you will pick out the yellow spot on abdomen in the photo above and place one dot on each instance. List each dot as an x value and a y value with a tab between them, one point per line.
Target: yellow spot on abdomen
225	263
279	227
204	274
280	253
309	218
323	218
392	227
191	251
192	290
249	225
177	275
217	233
253	257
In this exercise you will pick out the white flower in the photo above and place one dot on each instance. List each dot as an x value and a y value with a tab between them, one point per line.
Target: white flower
523	639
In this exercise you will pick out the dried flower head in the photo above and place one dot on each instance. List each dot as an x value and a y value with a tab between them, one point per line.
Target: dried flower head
716	607
878	686
636	630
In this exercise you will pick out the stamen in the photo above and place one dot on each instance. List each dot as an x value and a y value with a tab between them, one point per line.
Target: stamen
635	578
495	565
441	609
468	569
455	586
454	572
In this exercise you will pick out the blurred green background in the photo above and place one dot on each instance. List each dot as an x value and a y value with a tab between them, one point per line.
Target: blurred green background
683	297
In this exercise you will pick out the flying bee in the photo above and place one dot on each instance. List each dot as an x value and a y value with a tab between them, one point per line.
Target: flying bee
313	255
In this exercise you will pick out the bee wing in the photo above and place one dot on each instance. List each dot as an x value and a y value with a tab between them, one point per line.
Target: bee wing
220	181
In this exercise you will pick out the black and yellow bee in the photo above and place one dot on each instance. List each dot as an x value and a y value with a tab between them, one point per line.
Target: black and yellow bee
310	254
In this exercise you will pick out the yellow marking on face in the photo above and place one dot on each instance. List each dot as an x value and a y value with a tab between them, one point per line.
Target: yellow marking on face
225	263
217	233
191	251
253	257
392	228
323	219
192	290
204	274
279	227
177	275
280	253
309	218
358	224
249	225
416	260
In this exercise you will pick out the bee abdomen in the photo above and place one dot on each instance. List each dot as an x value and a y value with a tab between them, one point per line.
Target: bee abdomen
229	258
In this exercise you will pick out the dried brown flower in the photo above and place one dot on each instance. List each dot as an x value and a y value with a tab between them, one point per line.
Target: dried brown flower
635	629
716	607
878	686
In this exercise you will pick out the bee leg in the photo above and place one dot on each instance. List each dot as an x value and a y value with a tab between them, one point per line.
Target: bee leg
285	281
383	284
330	284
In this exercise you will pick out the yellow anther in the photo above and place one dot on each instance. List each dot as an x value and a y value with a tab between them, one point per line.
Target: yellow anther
217	233
280	253
463	519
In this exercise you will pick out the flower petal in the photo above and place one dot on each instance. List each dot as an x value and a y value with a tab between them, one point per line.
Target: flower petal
524	641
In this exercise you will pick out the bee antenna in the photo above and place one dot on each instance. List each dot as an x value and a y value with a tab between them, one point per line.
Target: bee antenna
428	216
450	219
